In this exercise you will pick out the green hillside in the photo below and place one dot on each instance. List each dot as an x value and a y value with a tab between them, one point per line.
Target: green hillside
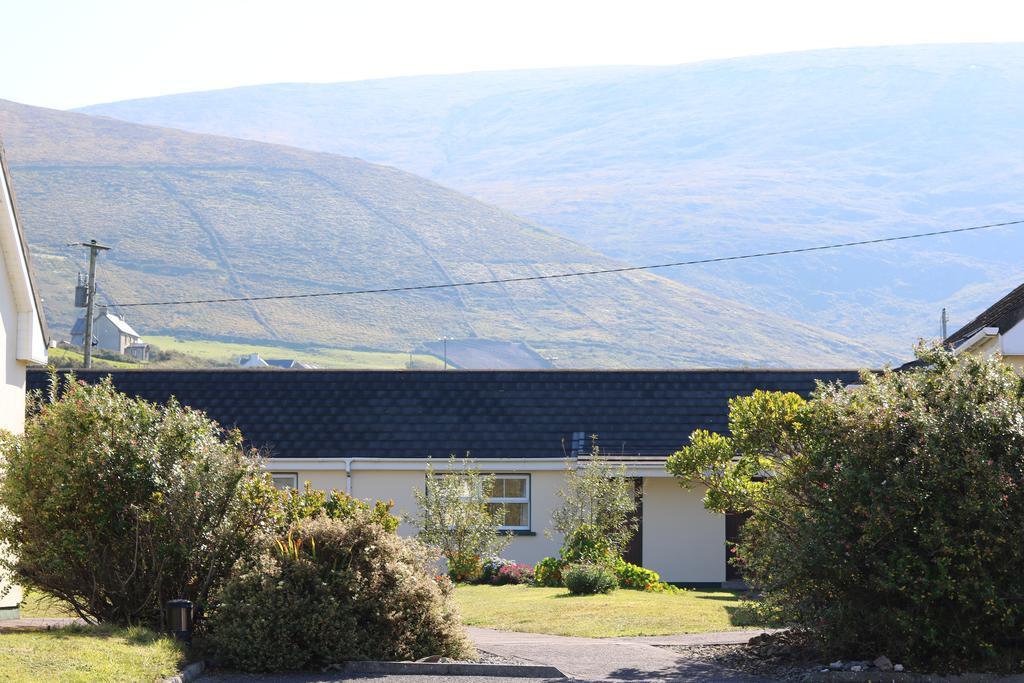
196	216
653	164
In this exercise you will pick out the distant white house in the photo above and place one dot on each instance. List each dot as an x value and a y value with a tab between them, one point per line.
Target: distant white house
111	333
22	333
253	360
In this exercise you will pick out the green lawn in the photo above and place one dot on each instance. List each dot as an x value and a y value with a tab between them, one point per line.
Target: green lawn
321	357
56	355
84	653
620	613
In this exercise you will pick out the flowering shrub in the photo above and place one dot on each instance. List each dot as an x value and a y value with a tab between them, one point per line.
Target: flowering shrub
893	515
490	567
548	572
587	544
635	577
514	573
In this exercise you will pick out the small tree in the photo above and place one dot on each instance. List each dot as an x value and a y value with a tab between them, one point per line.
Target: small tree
115	505
455	516
886	517
597	517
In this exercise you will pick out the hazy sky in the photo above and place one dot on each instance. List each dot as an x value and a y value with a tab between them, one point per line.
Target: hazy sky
67	53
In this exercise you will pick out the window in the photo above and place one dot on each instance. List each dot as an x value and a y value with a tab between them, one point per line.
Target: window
285	480
512	492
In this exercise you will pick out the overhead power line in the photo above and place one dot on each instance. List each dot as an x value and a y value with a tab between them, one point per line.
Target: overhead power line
579	273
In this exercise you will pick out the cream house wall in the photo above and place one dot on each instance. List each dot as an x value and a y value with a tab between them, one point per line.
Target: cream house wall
681	540
12	399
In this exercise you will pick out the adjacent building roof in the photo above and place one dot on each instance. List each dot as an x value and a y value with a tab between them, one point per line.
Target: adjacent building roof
15	248
120	323
1003	314
489	414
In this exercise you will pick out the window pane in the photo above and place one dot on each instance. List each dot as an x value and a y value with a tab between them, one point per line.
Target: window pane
515	488
516	514
285	481
498	488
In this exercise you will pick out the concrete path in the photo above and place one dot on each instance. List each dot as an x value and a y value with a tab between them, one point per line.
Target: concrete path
37	623
616	659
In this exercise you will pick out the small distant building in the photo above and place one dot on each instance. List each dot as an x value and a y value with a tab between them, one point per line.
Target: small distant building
111	332
253	360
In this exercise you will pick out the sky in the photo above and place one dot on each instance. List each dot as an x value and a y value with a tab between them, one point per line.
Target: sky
69	53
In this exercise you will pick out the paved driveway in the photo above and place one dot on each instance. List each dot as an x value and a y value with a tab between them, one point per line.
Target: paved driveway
616	659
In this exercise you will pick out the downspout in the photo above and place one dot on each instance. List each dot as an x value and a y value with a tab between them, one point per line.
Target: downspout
348	476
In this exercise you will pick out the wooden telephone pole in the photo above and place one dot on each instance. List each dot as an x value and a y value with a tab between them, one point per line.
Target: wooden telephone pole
90	299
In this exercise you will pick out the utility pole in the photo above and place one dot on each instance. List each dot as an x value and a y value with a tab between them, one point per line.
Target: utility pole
444	341
943	324
90	301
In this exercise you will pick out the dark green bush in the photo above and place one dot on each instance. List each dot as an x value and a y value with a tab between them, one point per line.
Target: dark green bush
115	505
893	519
588	579
548	572
335	590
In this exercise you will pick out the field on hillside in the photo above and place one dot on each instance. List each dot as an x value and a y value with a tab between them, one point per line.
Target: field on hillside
720	158
321	357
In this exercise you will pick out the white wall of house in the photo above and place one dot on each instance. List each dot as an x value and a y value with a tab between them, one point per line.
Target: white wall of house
21	337
681	540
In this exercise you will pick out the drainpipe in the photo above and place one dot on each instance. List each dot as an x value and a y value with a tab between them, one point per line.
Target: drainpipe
348	476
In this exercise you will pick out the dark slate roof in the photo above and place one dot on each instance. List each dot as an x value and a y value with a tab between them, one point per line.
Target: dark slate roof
498	413
1003	314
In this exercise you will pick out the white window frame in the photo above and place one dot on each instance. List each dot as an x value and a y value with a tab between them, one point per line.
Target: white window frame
523	499
294	485
502	500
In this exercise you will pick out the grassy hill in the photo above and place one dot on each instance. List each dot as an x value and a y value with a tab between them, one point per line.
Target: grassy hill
201	216
659	164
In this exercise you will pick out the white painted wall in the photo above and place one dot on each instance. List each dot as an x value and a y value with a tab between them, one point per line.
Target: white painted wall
681	540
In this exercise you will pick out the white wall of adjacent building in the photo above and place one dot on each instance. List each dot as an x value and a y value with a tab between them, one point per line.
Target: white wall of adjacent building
681	540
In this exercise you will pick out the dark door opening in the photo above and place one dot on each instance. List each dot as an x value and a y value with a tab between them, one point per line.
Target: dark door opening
634	553
733	523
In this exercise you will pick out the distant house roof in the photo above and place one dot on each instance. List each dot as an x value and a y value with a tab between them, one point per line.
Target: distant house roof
290	363
19	246
1003	314
490	414
118	322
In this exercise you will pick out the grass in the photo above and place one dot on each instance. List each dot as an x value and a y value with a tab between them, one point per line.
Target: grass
57	356
87	653
321	356
40	605
620	613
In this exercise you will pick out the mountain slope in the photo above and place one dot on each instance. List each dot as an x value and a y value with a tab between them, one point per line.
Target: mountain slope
654	164
196	216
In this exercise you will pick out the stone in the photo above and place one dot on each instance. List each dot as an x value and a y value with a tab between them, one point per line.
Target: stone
897	667
836	666
856	668
883	663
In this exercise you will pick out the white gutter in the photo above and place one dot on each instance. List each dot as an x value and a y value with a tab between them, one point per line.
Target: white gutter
982	335
648	468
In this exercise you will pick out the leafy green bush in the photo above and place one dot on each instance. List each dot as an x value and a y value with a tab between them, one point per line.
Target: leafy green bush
893	514
335	590
295	505
588	579
635	577
115	505
456	517
587	543
598	511
548	572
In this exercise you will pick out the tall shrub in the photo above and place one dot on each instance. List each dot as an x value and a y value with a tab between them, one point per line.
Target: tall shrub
597	516
455	517
887	517
335	590
116	505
